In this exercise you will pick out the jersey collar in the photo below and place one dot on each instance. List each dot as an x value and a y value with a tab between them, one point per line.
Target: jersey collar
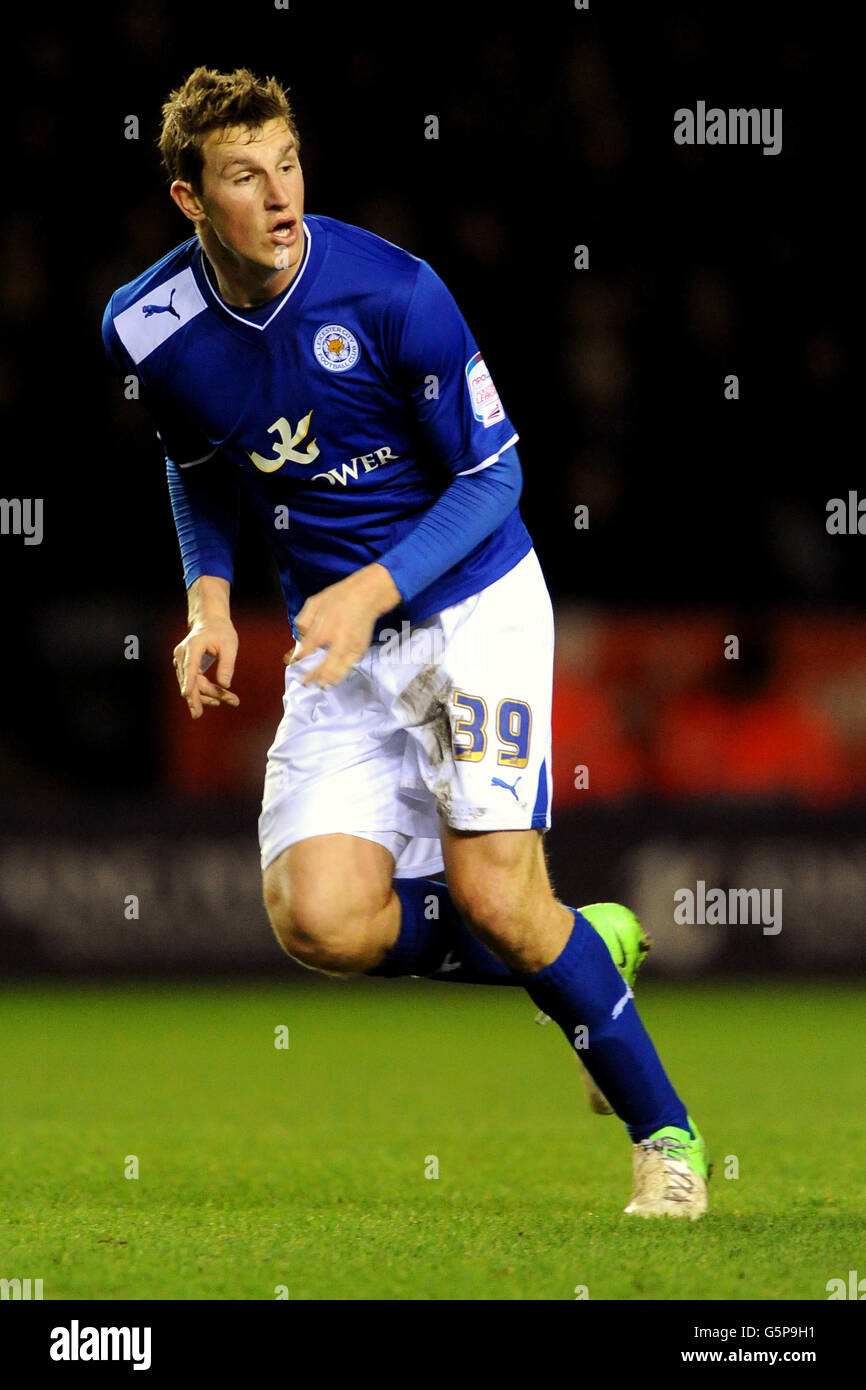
297	289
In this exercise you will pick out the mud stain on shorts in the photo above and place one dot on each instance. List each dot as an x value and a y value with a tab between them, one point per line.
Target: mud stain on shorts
427	701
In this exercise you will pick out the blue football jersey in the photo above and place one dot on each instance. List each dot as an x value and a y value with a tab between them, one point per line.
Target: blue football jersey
343	409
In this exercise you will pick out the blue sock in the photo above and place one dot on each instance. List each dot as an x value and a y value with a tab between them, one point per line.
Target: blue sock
434	940
583	987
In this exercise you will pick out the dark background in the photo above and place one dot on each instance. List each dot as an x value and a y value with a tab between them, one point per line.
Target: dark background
556	128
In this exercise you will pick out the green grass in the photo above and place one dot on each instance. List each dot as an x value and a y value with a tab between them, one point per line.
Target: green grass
305	1167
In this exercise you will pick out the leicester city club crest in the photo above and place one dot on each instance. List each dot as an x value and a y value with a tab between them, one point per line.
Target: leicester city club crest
336	348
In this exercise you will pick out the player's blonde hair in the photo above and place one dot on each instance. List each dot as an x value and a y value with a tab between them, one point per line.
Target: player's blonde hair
210	100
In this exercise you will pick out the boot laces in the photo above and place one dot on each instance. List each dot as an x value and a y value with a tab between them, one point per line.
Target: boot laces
679	1185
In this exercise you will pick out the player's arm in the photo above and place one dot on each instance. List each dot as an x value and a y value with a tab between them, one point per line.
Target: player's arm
468	511
204	497
211	638
467	430
204	500
343	615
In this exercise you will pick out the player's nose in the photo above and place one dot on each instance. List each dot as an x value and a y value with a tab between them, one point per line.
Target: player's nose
276	194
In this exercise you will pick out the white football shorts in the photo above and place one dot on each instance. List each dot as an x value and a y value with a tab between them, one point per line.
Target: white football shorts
449	716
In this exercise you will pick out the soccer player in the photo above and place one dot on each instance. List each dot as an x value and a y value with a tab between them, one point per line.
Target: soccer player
329	377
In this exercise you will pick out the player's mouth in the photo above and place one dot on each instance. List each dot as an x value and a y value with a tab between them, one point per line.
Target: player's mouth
284	232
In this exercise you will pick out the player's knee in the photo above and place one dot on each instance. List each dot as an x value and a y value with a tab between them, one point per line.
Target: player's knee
317	931
333	955
318	939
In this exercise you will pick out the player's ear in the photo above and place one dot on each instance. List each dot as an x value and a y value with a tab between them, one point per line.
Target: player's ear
187	200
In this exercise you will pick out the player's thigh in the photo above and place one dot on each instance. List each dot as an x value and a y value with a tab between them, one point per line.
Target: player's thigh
327	888
498	879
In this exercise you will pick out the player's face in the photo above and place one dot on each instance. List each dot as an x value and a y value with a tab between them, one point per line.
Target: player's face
253	193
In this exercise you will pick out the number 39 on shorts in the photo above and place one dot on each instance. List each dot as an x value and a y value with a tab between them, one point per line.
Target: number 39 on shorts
513	727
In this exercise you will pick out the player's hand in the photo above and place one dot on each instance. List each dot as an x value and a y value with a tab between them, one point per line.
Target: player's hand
341	618
214	640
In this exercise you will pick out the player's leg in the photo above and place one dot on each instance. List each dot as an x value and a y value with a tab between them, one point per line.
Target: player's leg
343	781
478	716
335	770
334	765
334	906
500	884
335	827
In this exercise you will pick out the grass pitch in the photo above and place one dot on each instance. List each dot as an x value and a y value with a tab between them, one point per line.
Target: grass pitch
304	1167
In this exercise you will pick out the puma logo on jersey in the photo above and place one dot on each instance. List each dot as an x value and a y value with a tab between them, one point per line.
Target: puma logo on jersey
148	309
148	323
284	450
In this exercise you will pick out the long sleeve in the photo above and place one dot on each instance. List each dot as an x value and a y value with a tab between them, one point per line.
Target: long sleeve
204	500
469	509
202	484
460	416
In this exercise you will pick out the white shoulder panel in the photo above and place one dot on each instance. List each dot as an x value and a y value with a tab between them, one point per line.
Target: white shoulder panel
153	318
